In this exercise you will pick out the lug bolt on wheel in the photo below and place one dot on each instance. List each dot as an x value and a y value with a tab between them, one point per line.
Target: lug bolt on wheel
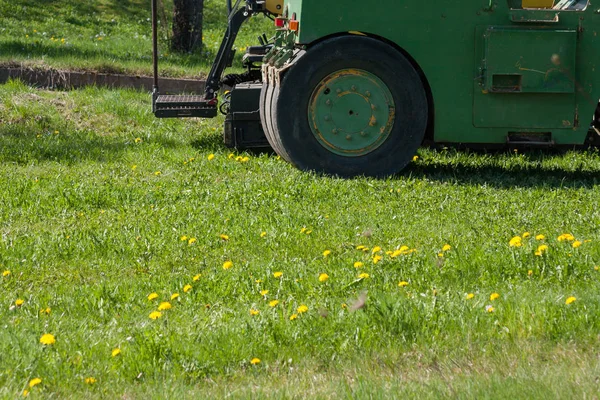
348	137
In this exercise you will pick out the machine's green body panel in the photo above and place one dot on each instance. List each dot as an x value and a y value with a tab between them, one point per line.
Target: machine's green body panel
492	70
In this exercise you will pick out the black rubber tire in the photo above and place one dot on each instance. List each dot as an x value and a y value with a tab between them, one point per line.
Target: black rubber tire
289	113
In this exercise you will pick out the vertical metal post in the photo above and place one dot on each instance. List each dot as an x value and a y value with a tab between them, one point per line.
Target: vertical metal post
155	47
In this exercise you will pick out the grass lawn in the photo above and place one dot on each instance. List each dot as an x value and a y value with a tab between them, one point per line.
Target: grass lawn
341	288
109	36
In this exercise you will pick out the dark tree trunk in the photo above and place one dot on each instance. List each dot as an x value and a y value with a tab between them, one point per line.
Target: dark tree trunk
187	25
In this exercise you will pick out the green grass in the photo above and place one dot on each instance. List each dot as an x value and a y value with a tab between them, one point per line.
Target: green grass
96	196
108	36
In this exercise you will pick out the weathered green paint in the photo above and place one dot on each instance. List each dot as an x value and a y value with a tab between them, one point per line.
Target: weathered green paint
473	52
351	112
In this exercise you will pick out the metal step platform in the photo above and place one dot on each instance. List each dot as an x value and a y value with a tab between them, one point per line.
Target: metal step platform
169	106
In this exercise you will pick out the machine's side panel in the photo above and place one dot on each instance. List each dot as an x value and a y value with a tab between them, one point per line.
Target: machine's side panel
528	78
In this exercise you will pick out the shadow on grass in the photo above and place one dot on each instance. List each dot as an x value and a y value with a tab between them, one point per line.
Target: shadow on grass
533	171
38	50
23	145
37	10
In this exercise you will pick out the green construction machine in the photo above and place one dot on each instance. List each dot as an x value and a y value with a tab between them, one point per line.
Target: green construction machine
354	87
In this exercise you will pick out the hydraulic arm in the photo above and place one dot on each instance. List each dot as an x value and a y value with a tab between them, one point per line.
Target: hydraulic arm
205	106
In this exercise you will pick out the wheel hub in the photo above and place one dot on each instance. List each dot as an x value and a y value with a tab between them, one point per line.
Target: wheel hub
351	112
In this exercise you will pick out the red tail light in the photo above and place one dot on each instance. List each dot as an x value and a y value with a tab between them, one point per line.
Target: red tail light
280	22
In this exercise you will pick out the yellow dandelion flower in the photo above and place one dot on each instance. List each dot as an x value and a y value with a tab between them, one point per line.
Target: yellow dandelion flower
165	305
566	237
264	292
344	305
138	140
227	265
277	274
364	275
361	247
526	235
155	315
540	237
187	288
224	237
6	273
34	382
494	296
183	238
376	249
302	309
254	312
245	159
196	278
115	352
191	241
323	277
470	296
46	310
446	247
273	303
358	264
576	244
597	268
258	280
490	309
47	339
376	259
25	393
402	283
541	250
211	157
326	253
263	234
19	302
174	296
133	167
516	242
530	272
153	296
231	156
158	173
570	300
255	361
293	317
415	158
90	380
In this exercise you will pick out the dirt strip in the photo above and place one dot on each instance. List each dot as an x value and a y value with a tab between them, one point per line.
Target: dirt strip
66	80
